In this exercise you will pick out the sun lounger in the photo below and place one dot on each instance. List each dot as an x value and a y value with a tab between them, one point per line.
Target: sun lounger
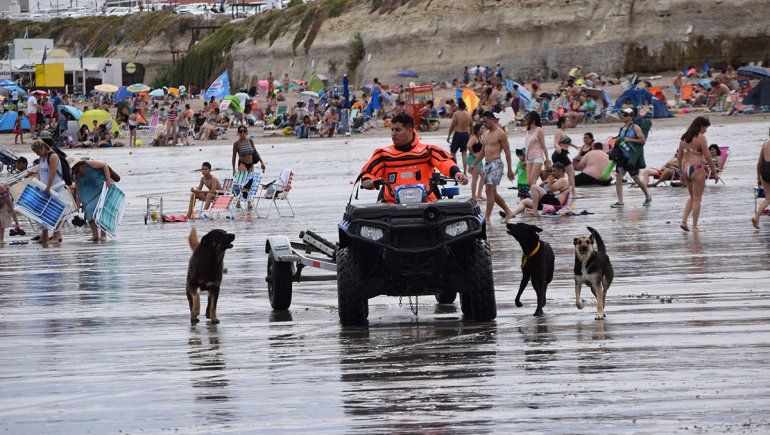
109	209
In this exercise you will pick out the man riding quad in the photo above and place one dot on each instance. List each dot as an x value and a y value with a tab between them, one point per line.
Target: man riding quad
407	162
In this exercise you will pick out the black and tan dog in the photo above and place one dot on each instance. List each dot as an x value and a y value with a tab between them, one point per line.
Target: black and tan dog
592	267
536	264
205	271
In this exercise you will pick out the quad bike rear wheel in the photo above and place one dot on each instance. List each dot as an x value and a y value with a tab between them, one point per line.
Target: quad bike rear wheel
478	301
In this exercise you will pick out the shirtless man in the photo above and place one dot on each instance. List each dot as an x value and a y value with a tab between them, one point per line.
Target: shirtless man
211	183
461	127
718	90
495	143
493	102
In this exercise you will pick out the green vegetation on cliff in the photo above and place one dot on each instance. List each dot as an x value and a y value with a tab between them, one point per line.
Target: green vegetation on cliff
100	35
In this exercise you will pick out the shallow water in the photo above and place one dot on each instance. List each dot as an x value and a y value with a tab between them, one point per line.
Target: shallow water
96	337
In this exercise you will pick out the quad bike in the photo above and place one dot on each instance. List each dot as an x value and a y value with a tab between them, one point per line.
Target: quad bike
411	248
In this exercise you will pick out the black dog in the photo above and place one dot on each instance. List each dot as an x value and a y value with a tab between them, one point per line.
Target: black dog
537	263
592	267
205	271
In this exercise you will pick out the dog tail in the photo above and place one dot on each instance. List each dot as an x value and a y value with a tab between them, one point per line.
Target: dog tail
192	239
598	239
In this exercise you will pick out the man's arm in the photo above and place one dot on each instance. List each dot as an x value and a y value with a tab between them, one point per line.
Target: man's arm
451	128
372	170
639	138
200	187
507	151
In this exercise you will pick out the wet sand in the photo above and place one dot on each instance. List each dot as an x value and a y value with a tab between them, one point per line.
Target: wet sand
96	337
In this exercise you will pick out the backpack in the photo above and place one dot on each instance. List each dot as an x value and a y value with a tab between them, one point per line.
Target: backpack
645	124
66	171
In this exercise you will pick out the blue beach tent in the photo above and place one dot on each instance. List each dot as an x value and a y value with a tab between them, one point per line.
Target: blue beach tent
9	118
642	96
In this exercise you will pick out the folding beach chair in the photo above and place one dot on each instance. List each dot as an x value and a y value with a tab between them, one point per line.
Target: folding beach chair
109	209
154	121
275	191
239	180
50	211
227	189
248	192
220	207
725	150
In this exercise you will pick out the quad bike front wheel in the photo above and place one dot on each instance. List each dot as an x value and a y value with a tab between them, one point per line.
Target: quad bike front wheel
446	297
351	300
279	284
478	301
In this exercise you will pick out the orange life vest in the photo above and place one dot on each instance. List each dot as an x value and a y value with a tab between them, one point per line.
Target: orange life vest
415	166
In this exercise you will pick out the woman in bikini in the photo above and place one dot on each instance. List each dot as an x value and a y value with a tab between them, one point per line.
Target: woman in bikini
244	151
763	180
477	172
536	153
561	144
693	155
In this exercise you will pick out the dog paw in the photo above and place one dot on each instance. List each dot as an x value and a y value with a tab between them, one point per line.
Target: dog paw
538	313
194	320
579	306
214	321
600	318
519	304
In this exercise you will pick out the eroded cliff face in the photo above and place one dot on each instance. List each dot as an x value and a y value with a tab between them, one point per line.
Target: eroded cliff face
437	38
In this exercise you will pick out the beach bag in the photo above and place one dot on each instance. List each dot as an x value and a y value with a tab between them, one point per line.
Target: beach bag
66	171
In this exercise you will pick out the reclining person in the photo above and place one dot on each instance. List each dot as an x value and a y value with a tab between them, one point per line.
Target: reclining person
407	161
667	172
211	183
592	165
553	192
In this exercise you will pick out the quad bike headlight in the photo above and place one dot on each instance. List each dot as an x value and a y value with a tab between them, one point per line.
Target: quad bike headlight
455	229
371	233
410	194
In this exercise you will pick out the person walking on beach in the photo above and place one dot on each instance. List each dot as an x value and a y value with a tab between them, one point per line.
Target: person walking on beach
461	127
50	171
17	128
477	172
495	143
89	178
630	144
763	180
536	153
693	155
171	123
245	152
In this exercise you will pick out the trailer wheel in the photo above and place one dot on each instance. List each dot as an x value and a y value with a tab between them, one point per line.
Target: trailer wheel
279	284
446	297
351	300
479	299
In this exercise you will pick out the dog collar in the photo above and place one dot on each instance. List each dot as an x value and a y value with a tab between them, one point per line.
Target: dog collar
530	255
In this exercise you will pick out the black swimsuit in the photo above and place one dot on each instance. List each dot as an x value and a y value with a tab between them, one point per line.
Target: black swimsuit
764	169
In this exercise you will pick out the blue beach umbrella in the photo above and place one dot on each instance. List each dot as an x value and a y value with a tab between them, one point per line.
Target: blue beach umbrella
756	72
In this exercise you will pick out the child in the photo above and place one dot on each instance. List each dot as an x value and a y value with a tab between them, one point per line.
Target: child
132	125
17	131
7	213
212	185
521	175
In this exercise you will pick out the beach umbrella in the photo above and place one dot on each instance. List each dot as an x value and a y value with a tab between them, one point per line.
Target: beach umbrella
474	70
39	93
346	90
316	84
7	82
106	88
471	99
14	87
137	88
755	72
157	93
173	91
407	73
101	117
72	110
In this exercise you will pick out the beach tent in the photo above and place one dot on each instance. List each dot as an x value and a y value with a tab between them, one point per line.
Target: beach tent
72	111
315	84
759	95
9	118
121	94
14	87
642	96
234	103
100	116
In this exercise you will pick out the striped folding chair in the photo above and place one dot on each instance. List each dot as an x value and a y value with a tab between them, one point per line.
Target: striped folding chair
109	209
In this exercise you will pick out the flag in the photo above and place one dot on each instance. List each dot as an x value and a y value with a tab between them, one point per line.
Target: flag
220	88
471	99
45	55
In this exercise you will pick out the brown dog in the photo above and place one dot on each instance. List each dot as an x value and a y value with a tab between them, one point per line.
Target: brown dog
592	267
205	271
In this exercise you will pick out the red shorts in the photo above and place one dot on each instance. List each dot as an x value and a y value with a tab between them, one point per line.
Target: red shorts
32	119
